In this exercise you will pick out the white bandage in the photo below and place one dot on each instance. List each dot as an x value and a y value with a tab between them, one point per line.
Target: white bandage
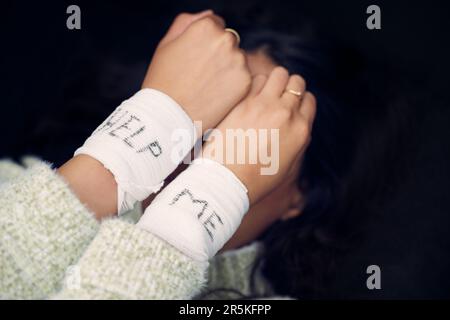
199	211
141	143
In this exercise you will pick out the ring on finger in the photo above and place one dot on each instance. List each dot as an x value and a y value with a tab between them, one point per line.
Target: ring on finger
235	33
294	92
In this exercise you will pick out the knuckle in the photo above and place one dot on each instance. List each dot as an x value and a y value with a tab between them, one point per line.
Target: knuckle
298	80
243	80
205	23
240	59
303	130
228	39
182	16
246	79
281	71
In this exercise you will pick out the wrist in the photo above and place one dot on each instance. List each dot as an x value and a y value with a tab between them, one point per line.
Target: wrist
242	171
199	211
185	104
92	183
141	143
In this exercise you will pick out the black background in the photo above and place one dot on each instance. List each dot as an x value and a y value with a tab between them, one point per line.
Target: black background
409	239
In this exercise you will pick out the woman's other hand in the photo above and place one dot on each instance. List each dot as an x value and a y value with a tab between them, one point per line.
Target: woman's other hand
269	106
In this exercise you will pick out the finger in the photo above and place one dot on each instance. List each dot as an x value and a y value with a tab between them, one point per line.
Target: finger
276	83
219	20
291	213
296	198
258	82
234	35
295	168
182	22
308	107
297	84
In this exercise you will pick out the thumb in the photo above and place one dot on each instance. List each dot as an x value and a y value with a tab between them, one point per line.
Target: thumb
181	23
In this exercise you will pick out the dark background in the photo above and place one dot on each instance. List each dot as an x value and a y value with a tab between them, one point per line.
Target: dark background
47	68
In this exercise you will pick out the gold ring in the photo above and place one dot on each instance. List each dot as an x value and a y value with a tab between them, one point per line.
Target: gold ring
235	33
295	93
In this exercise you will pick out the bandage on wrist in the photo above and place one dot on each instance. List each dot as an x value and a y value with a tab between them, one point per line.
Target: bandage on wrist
141	143
199	211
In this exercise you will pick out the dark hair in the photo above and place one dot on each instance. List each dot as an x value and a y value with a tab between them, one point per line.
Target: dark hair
356	138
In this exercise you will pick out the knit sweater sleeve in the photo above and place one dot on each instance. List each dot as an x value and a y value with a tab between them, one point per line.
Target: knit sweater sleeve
43	230
126	262
50	243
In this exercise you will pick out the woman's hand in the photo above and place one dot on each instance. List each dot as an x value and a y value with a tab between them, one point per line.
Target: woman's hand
200	66
269	106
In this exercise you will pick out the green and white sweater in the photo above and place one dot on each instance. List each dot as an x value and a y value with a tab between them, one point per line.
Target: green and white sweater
51	246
